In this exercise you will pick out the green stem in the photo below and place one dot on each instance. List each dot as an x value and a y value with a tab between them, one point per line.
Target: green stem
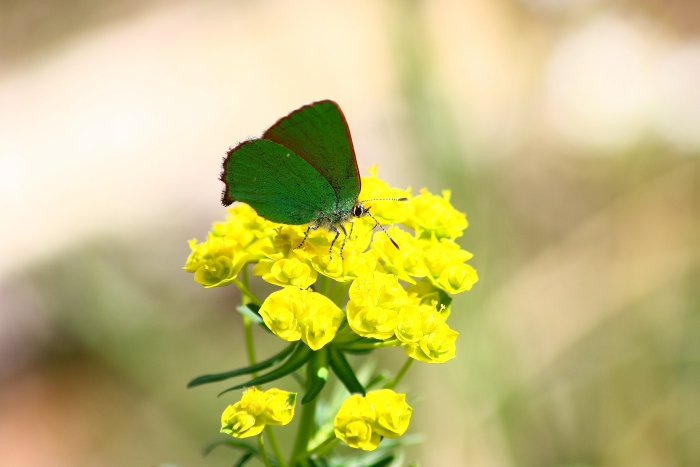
328	444
263	454
275	446
305	431
247	323
399	376
339	291
244	289
324	285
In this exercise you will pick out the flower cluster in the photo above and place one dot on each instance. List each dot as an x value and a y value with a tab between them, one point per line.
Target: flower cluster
400	296
256	409
362	421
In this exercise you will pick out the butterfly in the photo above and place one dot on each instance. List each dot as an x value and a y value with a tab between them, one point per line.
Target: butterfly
303	170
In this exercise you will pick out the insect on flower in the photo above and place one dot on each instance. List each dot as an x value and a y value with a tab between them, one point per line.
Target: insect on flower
303	170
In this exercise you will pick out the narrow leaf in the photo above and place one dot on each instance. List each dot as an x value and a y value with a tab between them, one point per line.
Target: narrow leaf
244	459
384	462
317	374
300	356
252	311
274	360
344	371
231	442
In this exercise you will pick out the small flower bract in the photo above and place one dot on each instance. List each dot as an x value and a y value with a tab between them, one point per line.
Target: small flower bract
256	409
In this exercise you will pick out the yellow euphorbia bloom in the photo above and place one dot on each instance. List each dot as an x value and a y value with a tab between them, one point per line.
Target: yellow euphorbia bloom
404	263
374	303
393	413
444	260
286	272
434	342
293	314
256	409
217	261
354	421
434	216
362	421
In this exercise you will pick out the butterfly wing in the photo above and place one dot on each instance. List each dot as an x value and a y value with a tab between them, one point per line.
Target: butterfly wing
276	182
319	134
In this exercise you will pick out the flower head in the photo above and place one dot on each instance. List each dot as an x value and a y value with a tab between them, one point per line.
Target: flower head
362	421
374	303
434	216
256	409
293	314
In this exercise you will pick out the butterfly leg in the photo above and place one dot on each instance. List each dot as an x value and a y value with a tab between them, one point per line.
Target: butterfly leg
337	234
345	240
306	235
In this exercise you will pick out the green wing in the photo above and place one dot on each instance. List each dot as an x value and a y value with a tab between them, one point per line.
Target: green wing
277	183
320	135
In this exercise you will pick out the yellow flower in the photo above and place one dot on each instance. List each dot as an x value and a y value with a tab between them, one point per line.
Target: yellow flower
256	408
279	406
355	260
444	260
425	293
386	212
404	262
437	341
434	216
362	421
409	328
457	278
393	413
354	421
215	262
293	314
374	303
286	272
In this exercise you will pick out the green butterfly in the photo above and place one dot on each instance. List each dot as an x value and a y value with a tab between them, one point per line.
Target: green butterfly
302	171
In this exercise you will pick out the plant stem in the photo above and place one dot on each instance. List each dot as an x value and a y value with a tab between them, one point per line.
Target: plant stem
275	446
305	431
399	376
247	323
263	454
244	289
328	444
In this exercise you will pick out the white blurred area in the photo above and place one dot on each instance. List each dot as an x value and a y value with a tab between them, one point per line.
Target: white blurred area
130	120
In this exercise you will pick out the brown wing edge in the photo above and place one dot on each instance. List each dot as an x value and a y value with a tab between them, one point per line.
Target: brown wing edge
347	130
226	198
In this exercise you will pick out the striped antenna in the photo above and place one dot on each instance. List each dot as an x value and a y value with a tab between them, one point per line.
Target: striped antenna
381	227
384	199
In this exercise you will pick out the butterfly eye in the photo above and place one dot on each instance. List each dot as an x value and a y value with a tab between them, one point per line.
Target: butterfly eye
358	210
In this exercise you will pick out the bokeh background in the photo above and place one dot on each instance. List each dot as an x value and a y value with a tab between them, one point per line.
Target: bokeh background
568	130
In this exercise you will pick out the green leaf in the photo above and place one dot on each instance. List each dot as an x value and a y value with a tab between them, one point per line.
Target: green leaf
213	378
230	442
344	371
317	374
244	459
300	356
252	311
384	462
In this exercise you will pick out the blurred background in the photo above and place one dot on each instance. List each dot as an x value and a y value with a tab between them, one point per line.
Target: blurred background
568	130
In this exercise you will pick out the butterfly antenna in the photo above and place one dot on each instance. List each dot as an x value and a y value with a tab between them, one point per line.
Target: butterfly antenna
381	227
384	199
